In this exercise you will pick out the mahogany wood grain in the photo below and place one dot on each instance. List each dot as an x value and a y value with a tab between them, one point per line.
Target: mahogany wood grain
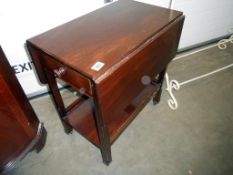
127	79
106	35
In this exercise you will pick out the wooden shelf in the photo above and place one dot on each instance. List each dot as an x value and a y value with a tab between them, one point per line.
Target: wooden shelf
80	116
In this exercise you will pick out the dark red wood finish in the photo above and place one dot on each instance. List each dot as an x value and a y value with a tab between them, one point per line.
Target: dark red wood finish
108	35
20	129
133	40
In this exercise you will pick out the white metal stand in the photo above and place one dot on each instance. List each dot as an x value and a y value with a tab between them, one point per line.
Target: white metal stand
175	85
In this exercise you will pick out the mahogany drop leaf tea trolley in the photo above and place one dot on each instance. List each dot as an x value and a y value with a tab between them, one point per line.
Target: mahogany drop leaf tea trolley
116	57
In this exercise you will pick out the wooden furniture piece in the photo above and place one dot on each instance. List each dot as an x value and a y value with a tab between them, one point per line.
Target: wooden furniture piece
115	57
20	129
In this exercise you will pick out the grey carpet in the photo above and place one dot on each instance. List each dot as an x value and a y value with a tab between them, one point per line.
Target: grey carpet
195	139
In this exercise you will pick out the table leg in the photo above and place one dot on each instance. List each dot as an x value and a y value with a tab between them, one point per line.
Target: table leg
57	100
103	131
106	146
159	82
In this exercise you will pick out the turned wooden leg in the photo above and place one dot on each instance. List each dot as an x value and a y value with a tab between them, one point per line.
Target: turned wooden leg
158	81
57	100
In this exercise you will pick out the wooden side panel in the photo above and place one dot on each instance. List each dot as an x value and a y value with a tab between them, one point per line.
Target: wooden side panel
13	137
118	90
18	122
15	94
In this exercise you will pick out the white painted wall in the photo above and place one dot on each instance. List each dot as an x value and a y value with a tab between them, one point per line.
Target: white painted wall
20	20
23	19
162	3
205	20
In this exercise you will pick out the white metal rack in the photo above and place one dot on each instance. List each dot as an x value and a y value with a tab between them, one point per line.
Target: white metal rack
175	85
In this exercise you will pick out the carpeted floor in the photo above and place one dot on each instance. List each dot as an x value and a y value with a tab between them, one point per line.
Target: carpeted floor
197	138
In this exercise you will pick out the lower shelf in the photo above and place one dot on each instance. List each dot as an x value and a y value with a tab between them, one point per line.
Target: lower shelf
81	116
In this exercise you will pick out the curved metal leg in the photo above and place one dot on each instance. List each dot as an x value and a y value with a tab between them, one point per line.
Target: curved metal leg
173	84
222	43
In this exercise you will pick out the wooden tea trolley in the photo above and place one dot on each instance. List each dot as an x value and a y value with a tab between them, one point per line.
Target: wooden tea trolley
115	57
